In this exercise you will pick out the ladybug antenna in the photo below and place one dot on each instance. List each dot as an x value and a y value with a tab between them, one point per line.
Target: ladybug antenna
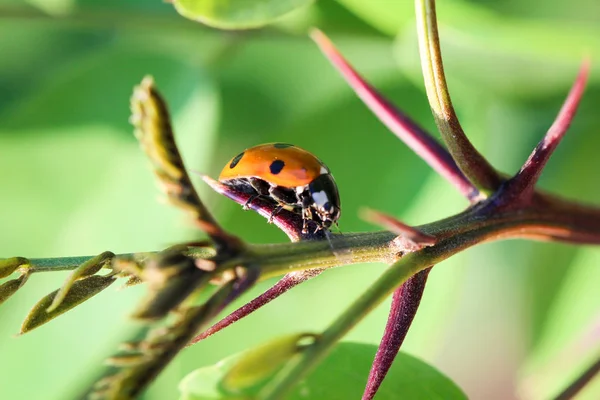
337	253
338	227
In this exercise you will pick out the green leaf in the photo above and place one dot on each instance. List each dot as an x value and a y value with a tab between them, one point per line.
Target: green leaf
10	265
342	375
237	14
384	15
80	291
9	288
88	268
261	362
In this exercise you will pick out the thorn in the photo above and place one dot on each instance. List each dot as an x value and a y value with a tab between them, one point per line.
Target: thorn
415	239
286	283
405	304
290	223
417	139
523	183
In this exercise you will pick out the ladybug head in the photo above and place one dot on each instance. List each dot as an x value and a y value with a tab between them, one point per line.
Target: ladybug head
325	199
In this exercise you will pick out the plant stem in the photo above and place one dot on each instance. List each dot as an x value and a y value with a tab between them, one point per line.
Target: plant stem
475	167
379	291
415	137
454	234
58	264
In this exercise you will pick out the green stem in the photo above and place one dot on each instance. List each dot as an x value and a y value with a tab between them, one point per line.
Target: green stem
56	264
379	291
454	234
473	165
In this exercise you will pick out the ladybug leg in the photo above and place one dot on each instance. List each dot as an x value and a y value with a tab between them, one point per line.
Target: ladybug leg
306	216
246	205
260	188
274	213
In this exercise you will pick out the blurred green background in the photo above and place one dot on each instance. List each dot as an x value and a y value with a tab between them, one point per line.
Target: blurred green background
504	320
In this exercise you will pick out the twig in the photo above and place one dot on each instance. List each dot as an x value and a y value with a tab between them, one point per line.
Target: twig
290	223
153	129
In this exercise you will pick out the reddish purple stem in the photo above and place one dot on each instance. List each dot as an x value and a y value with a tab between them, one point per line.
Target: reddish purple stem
290	223
414	238
405	303
283	285
523	183
403	127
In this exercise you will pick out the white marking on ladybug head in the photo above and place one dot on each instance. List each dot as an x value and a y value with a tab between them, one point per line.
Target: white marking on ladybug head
300	189
320	198
323	170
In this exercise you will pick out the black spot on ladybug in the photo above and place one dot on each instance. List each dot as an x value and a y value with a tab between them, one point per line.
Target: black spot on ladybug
236	160
282	145
276	166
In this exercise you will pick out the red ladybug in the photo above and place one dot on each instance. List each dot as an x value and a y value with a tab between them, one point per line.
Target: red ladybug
290	177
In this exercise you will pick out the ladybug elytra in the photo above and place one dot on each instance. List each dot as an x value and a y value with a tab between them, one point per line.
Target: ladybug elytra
290	177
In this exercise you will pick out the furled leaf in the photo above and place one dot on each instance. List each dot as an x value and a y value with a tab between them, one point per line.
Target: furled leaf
9	288
80	292
261	362
10	265
237	14
88	268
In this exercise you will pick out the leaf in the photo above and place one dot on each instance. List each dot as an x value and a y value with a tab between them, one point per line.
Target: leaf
80	291
384	15
10	265
88	268
261	362
342	375
237	14
9	288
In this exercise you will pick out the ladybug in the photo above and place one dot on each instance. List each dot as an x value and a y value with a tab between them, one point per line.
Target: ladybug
290	177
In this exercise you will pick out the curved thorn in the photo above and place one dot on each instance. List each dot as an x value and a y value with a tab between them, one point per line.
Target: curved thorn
290	223
405	302
523	183
403	127
417	239
286	283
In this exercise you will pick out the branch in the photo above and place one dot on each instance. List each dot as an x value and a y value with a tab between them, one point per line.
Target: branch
402	126
147	358
452	237
474	166
522	185
152	123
